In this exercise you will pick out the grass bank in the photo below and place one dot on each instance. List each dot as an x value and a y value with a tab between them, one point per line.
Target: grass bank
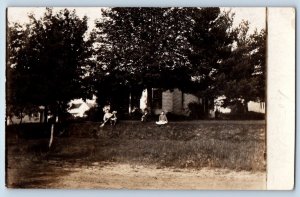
237	145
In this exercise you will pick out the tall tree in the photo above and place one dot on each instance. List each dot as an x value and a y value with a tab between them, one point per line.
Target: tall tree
161	47
17	83
211	40
241	78
194	49
47	60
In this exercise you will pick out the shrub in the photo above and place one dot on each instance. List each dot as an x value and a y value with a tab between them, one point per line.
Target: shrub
94	114
175	117
136	114
29	130
241	116
196	110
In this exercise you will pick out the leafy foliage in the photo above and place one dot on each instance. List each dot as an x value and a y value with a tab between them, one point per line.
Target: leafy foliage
47	60
52	60
242	76
162	47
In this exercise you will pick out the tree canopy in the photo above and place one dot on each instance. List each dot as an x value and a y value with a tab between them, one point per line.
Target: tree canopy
241	77
143	47
194	49
52	60
47	59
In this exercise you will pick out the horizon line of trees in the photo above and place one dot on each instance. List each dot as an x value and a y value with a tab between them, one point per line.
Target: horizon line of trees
52	60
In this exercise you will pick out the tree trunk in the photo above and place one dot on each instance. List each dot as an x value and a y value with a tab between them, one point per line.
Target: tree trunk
21	118
206	107
46	114
130	107
10	119
51	135
245	105
41	114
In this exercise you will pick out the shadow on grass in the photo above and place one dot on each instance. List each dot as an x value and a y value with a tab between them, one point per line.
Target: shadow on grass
236	146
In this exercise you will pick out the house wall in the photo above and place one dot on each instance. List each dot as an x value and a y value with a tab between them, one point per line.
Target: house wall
167	101
257	107
171	102
79	112
85	106
177	101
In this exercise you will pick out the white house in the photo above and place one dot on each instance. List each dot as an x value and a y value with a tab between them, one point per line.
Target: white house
174	101
78	107
259	107
177	102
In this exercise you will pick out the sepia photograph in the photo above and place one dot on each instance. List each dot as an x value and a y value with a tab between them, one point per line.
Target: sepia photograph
136	98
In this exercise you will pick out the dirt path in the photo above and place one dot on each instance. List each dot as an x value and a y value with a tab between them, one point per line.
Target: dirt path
118	176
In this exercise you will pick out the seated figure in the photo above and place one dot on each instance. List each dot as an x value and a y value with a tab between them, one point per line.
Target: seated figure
113	118
162	119
145	116
109	117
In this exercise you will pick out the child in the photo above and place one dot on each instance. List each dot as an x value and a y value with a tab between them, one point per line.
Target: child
145	116
162	119
107	115
113	118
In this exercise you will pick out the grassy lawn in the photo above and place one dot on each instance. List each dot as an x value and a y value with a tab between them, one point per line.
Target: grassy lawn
235	145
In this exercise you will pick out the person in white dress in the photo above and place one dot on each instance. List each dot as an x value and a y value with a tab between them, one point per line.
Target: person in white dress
162	119
109	117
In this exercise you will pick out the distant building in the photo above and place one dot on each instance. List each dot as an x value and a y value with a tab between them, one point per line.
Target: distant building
32	118
174	101
177	102
78	107
259	107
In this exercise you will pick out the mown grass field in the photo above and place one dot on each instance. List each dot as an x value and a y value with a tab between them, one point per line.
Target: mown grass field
233	145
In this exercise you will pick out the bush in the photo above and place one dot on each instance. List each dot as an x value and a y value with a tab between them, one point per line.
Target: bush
196	110
136	114
175	117
241	116
94	114
29	130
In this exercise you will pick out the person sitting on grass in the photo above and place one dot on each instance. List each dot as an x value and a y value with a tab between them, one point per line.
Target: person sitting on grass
106	117
109	117
113	119
145	116
162	119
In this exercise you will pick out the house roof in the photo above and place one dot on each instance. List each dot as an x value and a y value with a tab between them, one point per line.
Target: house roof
74	106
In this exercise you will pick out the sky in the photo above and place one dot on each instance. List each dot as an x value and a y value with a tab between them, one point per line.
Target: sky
255	15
